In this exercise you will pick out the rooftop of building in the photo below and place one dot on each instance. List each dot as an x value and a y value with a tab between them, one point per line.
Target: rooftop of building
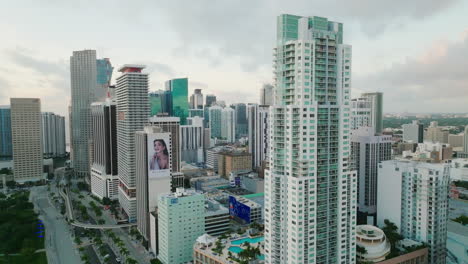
213	207
131	68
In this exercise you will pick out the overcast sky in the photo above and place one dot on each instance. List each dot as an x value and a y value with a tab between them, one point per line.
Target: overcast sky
414	51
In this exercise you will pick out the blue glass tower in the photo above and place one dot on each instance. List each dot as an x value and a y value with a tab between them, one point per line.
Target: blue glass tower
6	150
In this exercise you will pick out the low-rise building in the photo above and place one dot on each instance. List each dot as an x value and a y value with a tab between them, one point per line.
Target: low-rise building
247	208
373	240
234	161
216	218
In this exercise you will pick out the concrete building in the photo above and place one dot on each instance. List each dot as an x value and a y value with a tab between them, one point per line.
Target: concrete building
132	115
361	109
26	139
258	119
233	162
368	150
104	168
310	188
228	124
160	102
374	241
413	132
53	135
414	196
6	147
456	141
90	78
266	94
465	140
192	140
435	133
181	220
151	182
216	218
215	123
170	124
196	99
376	114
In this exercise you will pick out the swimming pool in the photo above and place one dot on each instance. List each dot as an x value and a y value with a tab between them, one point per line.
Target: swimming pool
236	250
248	239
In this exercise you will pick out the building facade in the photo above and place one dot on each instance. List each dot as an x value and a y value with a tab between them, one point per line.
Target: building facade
210	100
6	147
228	124
191	140
132	115
196	99
413	132
215	121
181	220
258	133
310	189
53	135
414	196
172	125
233	162
368	150
26	139
375	100
104	168
241	120
180	104
266	94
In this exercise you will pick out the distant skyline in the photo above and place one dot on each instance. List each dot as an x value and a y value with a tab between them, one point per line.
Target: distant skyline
412	51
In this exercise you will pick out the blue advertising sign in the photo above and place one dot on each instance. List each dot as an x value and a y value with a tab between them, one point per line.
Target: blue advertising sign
239	210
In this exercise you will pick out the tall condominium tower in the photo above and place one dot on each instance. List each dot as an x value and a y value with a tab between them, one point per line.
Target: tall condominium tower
132	115
258	133
228	124
6	148
191	140
89	82
414	196
310	190
180	104
368	150
104	169
266	95
26	138
196	99
413	132
53	135
215	121
376	105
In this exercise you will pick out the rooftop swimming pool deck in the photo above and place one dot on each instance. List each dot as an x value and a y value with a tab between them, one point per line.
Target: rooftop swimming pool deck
236	250
248	239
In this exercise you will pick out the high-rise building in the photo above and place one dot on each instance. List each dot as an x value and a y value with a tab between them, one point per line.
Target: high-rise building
53	135
26	139
196	99
6	148
89	82
191	140
413	132
241	120
456	141
361	109
160	102
414	196
310	189
210	100
368	150
180	104
132	115
154	168
435	133
181	220
104	168
170	124
258	133
266	95
228	124
376	105
215	121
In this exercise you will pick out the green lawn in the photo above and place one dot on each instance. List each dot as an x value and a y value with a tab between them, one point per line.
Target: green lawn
39	258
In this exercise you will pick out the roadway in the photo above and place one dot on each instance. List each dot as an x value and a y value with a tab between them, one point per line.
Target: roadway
58	243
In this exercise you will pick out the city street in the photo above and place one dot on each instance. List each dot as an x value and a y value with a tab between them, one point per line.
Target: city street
58	243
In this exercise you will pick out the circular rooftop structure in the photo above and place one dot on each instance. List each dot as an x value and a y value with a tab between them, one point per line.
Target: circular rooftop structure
374	241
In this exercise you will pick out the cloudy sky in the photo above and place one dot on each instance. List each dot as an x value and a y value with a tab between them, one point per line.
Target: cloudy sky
415	52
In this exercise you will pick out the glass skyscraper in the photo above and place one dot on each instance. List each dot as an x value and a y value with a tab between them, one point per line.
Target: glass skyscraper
6	150
310	190
179	91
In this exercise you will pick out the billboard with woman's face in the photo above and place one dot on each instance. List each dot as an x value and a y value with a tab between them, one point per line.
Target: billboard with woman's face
159	155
